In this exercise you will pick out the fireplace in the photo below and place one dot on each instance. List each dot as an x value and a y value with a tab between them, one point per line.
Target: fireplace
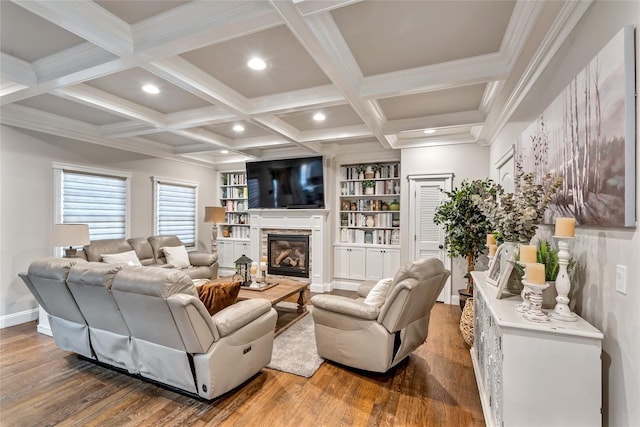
288	254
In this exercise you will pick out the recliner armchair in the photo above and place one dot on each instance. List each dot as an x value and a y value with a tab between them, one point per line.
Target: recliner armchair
363	336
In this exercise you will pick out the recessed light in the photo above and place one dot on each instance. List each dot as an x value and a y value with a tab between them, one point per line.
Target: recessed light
149	88
256	63
429	131
224	151
319	117
238	128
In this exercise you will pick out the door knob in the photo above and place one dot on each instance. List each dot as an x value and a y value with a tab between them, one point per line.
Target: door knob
440	247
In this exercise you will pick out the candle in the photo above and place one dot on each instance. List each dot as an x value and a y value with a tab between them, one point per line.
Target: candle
565	227
528	253
535	273
254	268
491	240
264	259
492	250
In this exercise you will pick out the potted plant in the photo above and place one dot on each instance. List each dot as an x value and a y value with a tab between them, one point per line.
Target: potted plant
360	170
368	186
465	225
377	169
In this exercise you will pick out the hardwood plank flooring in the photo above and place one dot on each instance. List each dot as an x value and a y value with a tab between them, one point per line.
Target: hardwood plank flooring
41	385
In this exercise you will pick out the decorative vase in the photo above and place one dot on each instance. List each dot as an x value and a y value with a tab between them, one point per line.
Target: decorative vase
368	173
377	174
394	206
368	190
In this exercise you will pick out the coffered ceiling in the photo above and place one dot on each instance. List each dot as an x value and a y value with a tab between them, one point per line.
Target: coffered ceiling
381	72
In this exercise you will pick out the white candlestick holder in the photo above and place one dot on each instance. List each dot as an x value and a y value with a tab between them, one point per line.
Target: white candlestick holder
535	313
563	284
524	306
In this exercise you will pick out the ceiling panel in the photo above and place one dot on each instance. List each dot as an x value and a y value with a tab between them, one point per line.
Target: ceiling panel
289	66
72	110
337	116
466	130
226	130
396	35
465	98
170	139
138	10
29	37
128	85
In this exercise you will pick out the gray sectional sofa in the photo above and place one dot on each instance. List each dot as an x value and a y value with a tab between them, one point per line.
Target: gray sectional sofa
149	252
150	322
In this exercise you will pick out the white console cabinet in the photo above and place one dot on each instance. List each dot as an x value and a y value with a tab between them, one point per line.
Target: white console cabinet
534	374
382	263
349	262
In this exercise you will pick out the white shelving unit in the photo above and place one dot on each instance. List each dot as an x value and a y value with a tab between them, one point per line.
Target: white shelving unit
233	234
538	374
368	230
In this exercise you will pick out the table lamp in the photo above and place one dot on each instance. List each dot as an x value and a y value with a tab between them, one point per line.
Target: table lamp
215	215
70	235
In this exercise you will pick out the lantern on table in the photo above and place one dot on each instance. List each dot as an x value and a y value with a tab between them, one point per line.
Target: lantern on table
243	266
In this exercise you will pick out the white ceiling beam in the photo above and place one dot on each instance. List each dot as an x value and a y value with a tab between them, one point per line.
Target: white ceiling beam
445	75
204	116
285	102
312	7
523	19
460	118
344	132
87	20
563	25
202	135
17	70
126	129
71	60
113	104
197	24
321	38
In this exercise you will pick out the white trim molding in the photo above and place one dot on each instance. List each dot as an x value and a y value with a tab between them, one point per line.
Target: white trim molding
14	319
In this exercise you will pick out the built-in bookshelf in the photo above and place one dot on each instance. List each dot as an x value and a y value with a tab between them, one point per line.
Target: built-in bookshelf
369	204
233	191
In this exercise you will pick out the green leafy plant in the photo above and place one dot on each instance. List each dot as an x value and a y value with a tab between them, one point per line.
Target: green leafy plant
548	255
465	225
516	215
368	183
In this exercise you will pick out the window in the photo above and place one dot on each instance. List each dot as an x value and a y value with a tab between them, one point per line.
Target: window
175	209
92	196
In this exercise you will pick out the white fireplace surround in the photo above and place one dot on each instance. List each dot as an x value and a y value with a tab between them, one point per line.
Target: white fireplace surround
314	220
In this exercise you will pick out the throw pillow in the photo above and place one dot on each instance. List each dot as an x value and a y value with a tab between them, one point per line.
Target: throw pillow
378	293
176	256
216	296
129	258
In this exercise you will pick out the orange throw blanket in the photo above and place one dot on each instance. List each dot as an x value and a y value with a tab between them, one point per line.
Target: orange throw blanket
216	296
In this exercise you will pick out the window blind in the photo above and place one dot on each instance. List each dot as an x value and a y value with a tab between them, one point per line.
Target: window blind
176	211
97	200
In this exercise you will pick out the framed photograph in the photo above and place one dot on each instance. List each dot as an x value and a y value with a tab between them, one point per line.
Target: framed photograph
501	268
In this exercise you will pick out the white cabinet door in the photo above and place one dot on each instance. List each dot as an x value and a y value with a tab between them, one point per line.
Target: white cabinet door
225	253
349	263
382	263
239	249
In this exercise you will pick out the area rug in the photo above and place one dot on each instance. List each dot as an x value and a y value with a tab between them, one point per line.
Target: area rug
294	351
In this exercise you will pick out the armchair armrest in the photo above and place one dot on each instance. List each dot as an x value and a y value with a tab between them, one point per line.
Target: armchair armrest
234	317
202	259
346	306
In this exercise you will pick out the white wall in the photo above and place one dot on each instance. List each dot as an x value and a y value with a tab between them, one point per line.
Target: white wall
467	161
26	185
598	250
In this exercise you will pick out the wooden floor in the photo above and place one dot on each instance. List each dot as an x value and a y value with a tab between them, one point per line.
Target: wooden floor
41	385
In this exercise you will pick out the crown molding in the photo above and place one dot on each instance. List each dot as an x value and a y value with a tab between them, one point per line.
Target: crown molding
460	118
17	70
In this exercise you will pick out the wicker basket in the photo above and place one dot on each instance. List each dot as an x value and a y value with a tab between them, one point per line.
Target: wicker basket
466	322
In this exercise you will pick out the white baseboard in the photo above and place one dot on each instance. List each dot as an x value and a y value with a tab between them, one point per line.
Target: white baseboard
320	288
346	286
455	300
18	318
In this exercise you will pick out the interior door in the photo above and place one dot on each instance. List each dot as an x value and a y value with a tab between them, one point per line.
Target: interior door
427	237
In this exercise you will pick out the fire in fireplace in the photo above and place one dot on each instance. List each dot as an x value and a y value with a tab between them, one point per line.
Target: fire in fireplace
288	254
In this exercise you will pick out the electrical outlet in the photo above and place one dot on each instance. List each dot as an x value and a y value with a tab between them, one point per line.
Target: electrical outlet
621	279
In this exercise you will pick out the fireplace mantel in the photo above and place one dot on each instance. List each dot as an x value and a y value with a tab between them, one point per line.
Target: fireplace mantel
314	220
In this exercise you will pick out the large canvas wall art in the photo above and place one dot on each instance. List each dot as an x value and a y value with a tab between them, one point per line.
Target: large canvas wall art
587	136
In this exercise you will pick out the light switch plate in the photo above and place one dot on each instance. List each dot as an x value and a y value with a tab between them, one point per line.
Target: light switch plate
621	279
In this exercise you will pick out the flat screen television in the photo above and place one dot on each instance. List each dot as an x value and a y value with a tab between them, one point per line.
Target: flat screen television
286	184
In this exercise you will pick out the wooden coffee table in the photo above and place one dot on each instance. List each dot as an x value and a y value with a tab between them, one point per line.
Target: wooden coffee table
285	288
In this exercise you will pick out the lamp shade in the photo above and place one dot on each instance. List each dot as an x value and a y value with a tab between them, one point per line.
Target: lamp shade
213	214
70	234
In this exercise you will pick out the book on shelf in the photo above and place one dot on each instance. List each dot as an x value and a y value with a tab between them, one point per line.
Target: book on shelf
236	179
386	171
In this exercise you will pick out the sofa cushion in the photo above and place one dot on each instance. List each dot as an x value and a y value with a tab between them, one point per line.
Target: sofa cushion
95	250
176	256
143	249
129	258
158	242
216	296
378	294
